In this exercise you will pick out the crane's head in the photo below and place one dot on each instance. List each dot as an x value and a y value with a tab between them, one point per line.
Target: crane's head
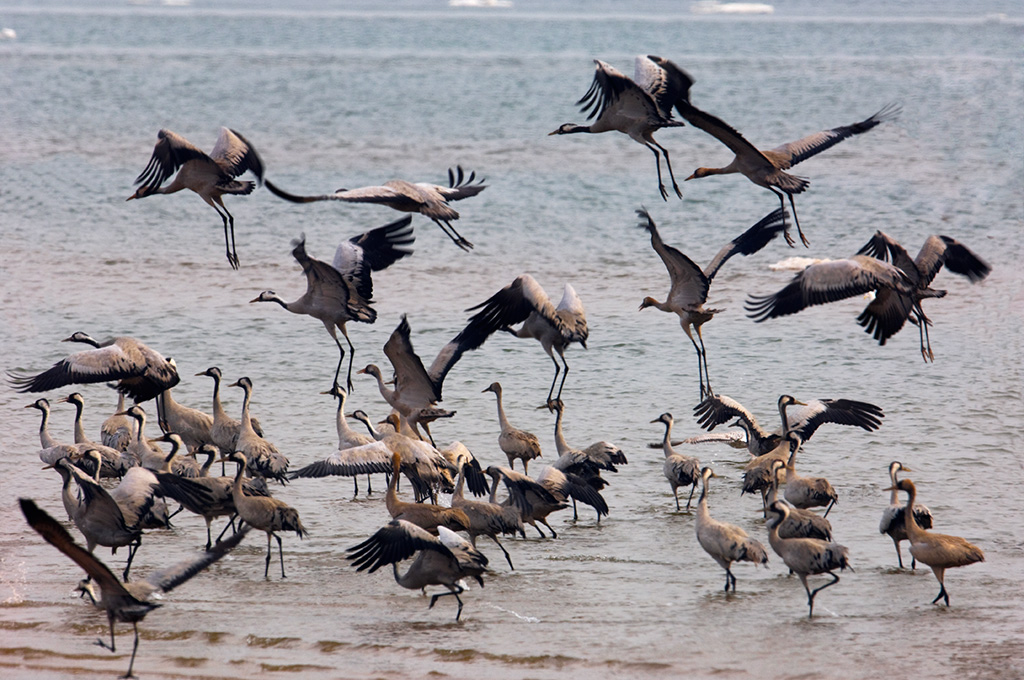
41	404
649	302
698	173
142	192
212	372
665	418
568	129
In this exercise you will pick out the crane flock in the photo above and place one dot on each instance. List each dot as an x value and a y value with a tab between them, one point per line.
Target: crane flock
425	530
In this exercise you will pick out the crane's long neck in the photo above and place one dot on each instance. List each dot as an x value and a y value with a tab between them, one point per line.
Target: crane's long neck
773	486
791	461
218	409
388	394
560	444
45	438
457	494
914	532
204	471
894	495
502	420
702	503
666	443
97	461
140	419
236	486
345	432
493	498
391	498
246	419
170	457
80	437
784	417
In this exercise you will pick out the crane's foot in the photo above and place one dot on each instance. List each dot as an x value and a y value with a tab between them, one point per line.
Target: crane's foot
679	192
664	192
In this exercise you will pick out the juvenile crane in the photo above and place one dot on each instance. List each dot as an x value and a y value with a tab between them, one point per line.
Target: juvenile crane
442	560
264	458
342	291
514	443
938	551
726	543
430	200
269	515
141	372
125	602
690	284
767	168
885	315
892	523
806	556
211	176
637	108
679	470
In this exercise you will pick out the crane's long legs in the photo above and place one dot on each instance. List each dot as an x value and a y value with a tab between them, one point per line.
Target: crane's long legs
688	500
456	590
455	236
229	226
558	369
940	575
782	204
657	164
135	648
704	359
672	176
341	358
899	555
730	578
812	593
700	362
508	558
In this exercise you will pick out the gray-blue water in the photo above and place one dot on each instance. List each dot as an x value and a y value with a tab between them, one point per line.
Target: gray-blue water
336	94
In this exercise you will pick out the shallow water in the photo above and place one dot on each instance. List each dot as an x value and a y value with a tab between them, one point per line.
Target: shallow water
352	95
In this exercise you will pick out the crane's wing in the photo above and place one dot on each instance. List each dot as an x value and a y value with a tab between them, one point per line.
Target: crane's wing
886	314
573	316
663	80
827	282
395	541
370	458
806	419
886	248
958	258
718	409
722	131
102	365
513	304
234	154
689	285
170	578
170	153
54	534
461	186
411	378
612	93
379	248
749	242
350	290
813	144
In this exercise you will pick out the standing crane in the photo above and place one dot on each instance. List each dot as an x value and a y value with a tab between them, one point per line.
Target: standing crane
806	556
938	551
637	108
680	470
209	175
726	543
893	523
514	443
